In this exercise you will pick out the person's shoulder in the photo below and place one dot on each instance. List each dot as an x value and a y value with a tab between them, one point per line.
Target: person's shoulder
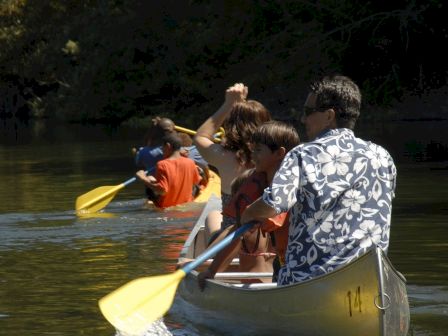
254	175
185	159
150	149
164	163
378	149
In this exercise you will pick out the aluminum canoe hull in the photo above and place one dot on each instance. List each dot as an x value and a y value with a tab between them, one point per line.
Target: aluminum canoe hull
365	298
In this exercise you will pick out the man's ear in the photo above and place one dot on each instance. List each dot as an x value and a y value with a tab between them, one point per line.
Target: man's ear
331	117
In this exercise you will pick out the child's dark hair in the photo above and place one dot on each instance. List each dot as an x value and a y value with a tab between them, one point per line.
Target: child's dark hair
276	134
187	141
174	140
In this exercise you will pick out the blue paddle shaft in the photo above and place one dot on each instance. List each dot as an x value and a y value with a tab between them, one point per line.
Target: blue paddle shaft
132	179
218	247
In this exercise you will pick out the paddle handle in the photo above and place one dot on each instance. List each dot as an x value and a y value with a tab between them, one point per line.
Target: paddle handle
184	130
132	179
218	247
191	132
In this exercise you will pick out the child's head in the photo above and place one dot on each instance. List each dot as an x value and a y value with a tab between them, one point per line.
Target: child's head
271	142
187	141
171	143
239	180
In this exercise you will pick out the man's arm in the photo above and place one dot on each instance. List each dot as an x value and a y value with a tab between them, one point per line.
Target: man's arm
258	210
223	259
204	134
151	182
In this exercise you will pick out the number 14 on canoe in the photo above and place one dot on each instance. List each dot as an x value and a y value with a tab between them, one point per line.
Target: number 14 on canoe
134	306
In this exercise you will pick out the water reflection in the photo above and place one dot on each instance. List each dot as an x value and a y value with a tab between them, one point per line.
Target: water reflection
54	265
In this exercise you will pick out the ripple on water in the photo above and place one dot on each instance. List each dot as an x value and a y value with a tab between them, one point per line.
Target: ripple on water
158	328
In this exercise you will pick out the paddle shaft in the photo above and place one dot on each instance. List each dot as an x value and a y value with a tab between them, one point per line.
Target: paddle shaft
134	306
191	132
184	130
109	193
218	247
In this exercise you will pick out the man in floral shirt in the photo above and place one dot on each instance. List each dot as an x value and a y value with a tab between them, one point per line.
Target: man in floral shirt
337	187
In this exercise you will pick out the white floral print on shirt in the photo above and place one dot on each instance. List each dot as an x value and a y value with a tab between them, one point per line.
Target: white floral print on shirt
339	190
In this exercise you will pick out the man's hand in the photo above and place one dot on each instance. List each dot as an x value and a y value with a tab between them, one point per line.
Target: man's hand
147	179
184	152
253	229
207	274
141	174
258	210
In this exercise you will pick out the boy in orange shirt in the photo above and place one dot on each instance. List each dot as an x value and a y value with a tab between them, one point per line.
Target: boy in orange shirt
175	175
271	141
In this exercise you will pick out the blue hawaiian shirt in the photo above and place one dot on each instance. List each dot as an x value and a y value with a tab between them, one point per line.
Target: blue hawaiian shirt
339	190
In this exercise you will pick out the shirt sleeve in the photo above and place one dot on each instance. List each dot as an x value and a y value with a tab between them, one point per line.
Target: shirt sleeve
272	224
282	194
162	176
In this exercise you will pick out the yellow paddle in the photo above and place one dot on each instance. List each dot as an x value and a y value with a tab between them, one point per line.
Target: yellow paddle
216	137
134	306
98	198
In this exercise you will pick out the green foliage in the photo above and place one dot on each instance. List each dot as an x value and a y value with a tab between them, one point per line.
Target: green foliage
108	61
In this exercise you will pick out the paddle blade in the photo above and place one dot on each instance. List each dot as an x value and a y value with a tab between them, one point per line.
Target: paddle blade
96	199
134	306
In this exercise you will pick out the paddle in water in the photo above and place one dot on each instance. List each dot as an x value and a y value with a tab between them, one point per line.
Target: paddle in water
134	306
98	198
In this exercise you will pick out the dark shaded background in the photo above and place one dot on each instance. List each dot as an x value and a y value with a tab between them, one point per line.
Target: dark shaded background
111	61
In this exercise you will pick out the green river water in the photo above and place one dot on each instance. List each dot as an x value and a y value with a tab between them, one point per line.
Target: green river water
54	266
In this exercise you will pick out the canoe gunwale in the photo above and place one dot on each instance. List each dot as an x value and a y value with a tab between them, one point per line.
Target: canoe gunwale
386	306
378	254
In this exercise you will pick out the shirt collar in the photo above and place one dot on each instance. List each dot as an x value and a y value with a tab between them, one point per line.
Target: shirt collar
333	132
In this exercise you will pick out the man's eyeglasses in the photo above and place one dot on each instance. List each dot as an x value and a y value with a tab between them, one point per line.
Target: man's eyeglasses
307	110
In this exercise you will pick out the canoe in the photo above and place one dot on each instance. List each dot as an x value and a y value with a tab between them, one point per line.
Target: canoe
364	298
213	188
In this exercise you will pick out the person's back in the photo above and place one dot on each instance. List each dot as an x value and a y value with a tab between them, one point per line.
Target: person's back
239	118
345	207
176	176
147	156
337	188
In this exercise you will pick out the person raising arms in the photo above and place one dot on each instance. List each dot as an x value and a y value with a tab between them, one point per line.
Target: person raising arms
239	118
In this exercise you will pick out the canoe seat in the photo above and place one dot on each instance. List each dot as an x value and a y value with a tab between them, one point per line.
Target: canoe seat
243	275
265	285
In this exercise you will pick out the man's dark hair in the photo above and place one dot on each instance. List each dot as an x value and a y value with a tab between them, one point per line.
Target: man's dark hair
341	94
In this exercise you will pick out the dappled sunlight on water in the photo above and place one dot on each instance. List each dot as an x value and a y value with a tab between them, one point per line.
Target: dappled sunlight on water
54	265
